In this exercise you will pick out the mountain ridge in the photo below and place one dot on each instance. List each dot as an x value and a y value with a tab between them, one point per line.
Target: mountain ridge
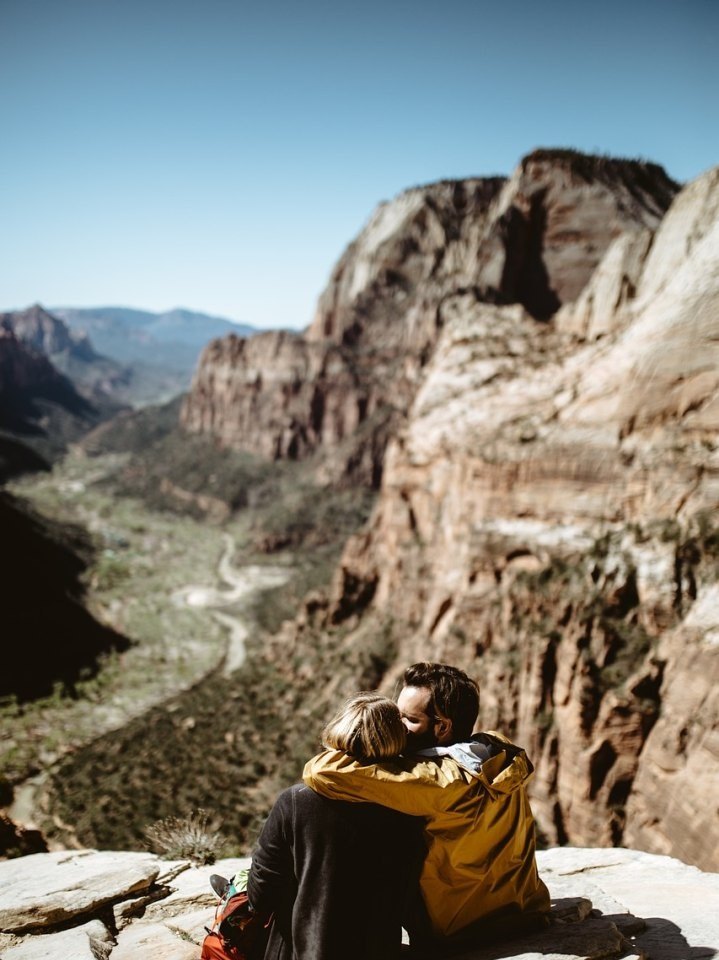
534	238
184	332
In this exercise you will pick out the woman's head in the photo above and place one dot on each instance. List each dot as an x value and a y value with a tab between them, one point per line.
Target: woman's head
368	727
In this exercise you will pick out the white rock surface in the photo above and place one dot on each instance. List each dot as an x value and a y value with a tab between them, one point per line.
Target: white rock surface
91	941
599	309
152	940
679	903
606	903
48	888
704	615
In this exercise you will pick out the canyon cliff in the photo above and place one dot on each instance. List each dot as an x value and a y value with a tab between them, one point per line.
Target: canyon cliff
528	371
69	351
54	387
346	384
56	643
41	410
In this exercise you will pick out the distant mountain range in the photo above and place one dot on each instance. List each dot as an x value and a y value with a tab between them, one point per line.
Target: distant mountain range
172	339
64	371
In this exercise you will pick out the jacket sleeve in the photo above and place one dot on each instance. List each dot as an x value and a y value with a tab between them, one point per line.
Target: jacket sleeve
418	788
271	881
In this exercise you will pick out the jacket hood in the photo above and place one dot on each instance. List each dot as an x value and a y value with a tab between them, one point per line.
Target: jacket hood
501	765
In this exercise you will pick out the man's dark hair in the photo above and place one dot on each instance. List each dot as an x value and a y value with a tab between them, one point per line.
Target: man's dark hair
454	694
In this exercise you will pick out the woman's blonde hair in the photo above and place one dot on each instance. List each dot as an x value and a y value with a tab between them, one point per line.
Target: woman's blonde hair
368	727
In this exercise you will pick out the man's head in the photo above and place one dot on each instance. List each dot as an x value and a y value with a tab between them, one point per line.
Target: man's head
439	705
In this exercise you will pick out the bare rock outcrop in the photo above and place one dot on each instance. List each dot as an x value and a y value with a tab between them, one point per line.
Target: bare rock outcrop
47	334
39	402
46	889
39	408
605	905
70	351
347	384
681	755
26	373
286	395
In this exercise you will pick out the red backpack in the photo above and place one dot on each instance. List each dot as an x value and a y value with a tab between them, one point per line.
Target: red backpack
237	933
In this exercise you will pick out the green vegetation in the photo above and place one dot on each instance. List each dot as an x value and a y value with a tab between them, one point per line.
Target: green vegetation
306	516
628	644
545	720
191	464
161	732
639	175
227	746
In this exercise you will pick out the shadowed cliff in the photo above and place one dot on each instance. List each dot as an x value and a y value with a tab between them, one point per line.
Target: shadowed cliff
52	639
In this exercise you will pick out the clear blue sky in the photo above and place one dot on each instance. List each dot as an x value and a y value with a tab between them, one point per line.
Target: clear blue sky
219	155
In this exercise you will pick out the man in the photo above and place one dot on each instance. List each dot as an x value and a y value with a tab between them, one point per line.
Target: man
479	877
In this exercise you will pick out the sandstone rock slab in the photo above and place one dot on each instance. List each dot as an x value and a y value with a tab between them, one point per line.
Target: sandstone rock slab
148	939
606	903
594	939
678	903
46	889
91	941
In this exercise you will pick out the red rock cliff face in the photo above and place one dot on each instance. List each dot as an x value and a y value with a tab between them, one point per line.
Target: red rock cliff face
534	239
548	519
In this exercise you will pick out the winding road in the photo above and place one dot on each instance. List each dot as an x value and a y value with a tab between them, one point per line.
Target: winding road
242	584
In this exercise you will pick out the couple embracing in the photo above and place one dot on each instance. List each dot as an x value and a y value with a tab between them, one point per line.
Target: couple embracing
407	819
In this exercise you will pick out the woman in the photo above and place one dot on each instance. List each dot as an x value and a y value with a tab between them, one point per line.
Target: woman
336	875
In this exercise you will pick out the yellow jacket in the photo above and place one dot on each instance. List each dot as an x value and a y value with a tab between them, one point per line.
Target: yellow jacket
480	863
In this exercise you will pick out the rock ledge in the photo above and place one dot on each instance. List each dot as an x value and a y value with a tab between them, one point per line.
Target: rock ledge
95	905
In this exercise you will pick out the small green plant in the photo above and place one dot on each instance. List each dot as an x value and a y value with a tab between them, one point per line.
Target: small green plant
186	838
